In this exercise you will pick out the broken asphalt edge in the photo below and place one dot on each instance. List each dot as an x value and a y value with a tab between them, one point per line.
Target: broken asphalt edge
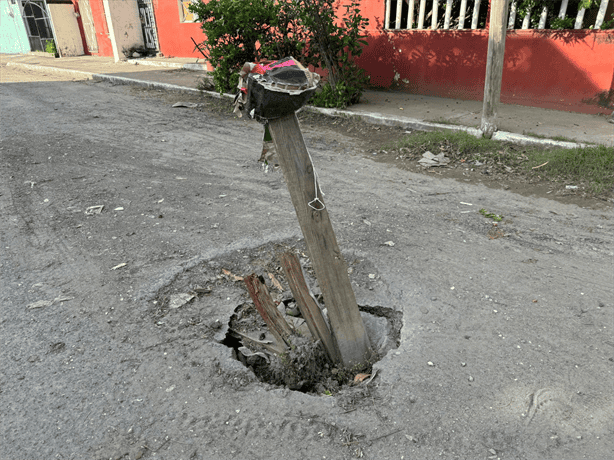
368	117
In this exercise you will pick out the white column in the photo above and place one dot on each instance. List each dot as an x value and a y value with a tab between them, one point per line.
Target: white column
461	17
542	18
476	14
446	21
434	17
421	14
579	18
410	14
398	20
601	14
107	14
563	9
526	22
512	20
387	15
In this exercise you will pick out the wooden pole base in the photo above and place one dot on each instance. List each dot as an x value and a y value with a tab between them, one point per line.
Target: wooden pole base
328	263
307	305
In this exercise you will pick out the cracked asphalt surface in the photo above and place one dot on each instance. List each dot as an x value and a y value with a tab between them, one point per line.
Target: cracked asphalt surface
506	347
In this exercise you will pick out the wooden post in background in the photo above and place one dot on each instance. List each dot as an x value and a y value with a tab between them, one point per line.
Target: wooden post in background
328	263
494	66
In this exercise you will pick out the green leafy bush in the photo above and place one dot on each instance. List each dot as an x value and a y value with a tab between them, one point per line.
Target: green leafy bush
312	31
50	47
233	29
334	44
564	23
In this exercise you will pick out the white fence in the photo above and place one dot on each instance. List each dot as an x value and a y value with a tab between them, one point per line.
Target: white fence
425	15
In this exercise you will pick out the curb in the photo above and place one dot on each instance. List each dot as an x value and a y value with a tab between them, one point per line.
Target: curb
416	124
147	84
368	117
375	118
175	65
528	140
111	78
42	68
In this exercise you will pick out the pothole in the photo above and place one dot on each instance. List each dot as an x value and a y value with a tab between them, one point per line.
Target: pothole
211	301
305	367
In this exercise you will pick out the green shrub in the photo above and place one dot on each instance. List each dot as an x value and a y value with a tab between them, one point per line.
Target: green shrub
233	28
50	47
311	31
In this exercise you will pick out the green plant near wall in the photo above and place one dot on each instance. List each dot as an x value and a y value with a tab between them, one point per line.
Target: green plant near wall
316	32
233	29
336	39
50	47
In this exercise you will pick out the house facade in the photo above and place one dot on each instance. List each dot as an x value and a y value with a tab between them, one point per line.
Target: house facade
429	47
439	48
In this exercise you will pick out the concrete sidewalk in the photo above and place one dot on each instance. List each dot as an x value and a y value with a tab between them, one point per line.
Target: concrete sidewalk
516	123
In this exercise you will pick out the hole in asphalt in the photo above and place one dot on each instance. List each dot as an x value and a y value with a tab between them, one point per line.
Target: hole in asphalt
305	367
210	301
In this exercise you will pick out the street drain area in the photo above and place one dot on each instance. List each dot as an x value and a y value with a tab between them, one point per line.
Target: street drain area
209	300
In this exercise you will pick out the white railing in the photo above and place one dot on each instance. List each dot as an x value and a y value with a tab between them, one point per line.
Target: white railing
432	15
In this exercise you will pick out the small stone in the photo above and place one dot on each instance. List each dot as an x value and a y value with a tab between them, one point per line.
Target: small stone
430	363
470	378
463	364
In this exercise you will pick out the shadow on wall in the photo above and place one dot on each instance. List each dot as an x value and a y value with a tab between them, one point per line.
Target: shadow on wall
563	70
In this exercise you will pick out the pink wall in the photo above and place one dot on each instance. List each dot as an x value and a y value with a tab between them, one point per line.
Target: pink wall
173	35
565	70
102	31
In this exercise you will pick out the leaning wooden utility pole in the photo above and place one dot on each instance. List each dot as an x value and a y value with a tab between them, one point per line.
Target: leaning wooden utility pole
494	66
273	93
328	263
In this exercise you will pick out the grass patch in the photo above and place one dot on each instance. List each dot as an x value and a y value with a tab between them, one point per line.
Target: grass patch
593	166
590	167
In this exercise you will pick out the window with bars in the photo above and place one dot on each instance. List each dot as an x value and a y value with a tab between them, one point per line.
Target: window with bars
37	23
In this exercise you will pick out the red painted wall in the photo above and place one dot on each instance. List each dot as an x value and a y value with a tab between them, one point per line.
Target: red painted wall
565	70
102	31
173	35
